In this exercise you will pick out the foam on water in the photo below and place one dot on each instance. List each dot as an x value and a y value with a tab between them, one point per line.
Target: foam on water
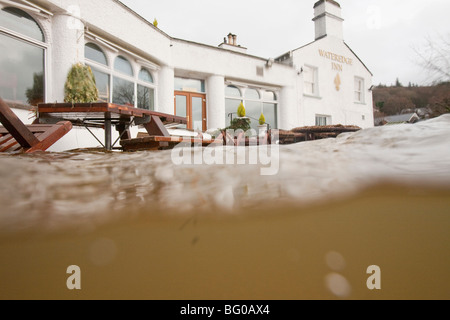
78	186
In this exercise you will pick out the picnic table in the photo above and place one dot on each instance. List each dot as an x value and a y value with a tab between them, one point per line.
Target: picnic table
106	115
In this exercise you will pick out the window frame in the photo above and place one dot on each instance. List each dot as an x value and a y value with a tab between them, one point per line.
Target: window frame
110	70
262	101
328	120
44	45
146	84
315	84
359	81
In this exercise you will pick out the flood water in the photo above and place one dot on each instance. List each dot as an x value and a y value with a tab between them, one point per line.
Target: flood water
144	226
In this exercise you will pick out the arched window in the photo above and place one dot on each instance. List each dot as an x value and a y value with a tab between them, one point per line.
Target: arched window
96	59
145	76
123	65
252	94
130	88
94	53
145	90
22	66
21	22
269	96
123	84
232	91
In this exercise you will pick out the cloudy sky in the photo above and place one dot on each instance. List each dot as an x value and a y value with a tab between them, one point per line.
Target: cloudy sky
383	33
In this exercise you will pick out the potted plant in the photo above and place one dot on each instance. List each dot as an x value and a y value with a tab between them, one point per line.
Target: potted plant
241	122
262	127
80	86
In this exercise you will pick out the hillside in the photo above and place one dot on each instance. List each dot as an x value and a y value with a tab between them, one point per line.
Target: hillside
429	102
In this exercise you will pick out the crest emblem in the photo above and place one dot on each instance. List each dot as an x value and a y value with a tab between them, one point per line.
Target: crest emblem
337	82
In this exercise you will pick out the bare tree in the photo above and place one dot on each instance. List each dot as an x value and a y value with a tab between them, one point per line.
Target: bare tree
434	57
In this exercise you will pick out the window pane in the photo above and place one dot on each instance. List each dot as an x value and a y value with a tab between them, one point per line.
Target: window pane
94	53
197	113
269	96
231	106
21	22
308	74
123	92
144	75
252	94
270	113
323	120
232	91
309	79
181	106
359	90
253	111
21	71
102	82
191	85
122	65
146	98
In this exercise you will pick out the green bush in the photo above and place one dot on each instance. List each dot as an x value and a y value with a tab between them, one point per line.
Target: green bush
80	85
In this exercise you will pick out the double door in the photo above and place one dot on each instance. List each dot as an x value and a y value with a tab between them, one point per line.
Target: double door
193	107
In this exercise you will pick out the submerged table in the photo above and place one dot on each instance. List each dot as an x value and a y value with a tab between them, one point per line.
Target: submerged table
106	115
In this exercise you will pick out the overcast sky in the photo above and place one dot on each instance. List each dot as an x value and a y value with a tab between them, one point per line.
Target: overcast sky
383	33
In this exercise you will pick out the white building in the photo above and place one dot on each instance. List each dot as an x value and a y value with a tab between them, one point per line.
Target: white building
135	63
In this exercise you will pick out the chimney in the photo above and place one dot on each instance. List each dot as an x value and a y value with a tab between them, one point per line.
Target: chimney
328	20
232	44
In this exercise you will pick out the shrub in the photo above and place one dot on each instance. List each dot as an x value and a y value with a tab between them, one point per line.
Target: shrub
241	111
262	119
240	123
80	86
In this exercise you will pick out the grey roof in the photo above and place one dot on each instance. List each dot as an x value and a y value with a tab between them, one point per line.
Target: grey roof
401	118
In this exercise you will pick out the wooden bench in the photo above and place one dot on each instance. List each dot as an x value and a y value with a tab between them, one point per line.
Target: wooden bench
157	141
15	136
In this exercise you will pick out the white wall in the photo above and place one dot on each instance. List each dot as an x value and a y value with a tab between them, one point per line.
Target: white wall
340	105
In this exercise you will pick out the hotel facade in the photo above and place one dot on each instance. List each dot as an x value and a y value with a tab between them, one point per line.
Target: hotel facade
135	63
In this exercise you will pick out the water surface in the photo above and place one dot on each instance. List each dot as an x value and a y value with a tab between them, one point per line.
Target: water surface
380	196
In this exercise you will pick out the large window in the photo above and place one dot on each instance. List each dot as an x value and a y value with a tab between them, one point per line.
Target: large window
256	101
99	65
359	90
123	86
310	81
145	91
233	98
117	82
22	58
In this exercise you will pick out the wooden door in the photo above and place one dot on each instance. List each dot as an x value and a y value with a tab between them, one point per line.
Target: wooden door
193	107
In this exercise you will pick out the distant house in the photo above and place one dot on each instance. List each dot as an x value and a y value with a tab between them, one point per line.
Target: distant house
398	119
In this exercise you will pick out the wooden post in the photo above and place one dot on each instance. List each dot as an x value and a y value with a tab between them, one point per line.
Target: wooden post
156	128
108	137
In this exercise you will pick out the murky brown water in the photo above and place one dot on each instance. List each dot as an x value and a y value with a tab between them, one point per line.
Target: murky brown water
141	227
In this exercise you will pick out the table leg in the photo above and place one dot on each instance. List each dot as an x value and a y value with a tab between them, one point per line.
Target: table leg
108	137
